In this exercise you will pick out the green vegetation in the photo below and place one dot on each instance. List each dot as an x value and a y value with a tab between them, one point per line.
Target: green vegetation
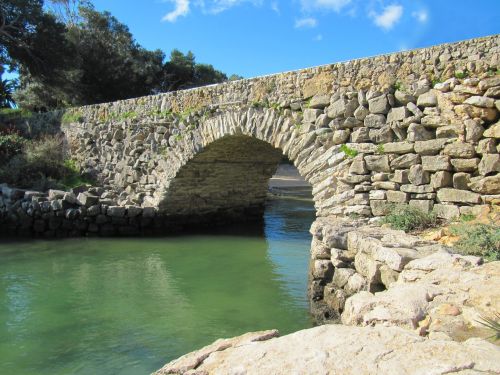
493	324
349	152
41	165
398	86
53	45
408	218
435	81
10	145
257	104
477	239
461	74
70	117
9	114
467	217
380	149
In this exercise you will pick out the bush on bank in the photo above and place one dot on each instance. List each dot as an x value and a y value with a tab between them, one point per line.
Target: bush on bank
39	164
408	218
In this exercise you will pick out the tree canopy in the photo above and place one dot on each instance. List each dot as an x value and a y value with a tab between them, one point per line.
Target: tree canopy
68	53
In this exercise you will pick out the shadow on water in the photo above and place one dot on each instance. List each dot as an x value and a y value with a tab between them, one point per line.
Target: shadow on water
127	306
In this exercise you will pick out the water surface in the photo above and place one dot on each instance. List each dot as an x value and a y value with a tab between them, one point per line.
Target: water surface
128	306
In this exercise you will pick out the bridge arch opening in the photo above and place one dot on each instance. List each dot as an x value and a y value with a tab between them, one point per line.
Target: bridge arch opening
229	181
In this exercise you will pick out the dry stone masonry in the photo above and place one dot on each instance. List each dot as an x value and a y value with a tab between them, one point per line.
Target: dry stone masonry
418	127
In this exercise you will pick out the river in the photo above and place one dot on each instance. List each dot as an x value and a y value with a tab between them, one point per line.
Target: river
128	306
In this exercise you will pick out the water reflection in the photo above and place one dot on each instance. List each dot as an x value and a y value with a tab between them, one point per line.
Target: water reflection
105	306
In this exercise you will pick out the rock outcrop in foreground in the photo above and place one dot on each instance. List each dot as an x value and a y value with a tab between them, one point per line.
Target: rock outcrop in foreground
337	349
426	322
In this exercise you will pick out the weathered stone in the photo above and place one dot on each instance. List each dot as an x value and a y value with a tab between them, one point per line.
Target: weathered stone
116	211
431	147
490	163
379	207
417	132
458	196
397	196
379	105
493	131
473	131
417	189
360	135
400	176
377	194
403	97
340	136
424	205
461	180
450	131
377	163
397	114
341	276
358	166
460	150
405	161
465	165
398	148
486	185
310	115
418	176
386	185
486	146
319	101
367	267
428	99
487	83
436	163
480	101
441	179
388	275
374	120
360	113
337	108
447	211
382	135
87	200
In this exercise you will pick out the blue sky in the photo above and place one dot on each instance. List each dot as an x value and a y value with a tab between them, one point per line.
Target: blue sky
257	37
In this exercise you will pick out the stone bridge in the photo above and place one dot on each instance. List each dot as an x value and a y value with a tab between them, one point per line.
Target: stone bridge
413	127
417	127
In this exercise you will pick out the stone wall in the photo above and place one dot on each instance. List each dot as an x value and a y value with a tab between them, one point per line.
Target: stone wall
417	127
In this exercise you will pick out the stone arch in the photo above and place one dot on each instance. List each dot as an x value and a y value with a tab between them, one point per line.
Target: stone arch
242	148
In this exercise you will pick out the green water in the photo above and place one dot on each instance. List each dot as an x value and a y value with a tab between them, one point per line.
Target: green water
128	306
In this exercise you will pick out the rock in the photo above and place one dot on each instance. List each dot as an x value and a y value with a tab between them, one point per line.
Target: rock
367	267
418	176
428	99
486	146
360	113
337	108
403	97
490	163
87	200
340	136
319	101
458	196
379	207
379	105
116	211
397	196
446	211
387	276
493	131
460	150
441	179
450	131
461	180
55	194
423	205
374	120
377	163
310	115
480	101
417	132
421	189
436	163
337	349
487	83
397	114
400	176
398	148
465	165
405	161
473	131
431	147
360	135
486	185
341	276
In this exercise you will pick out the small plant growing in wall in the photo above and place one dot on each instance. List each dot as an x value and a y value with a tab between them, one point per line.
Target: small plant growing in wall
461	74
398	86
70	117
435	80
349	152
380	149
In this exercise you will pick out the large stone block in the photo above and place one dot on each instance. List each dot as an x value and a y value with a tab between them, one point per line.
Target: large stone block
398	148
490	163
377	163
486	185
458	196
397	196
460	150
436	163
405	161
418	176
379	105
431	147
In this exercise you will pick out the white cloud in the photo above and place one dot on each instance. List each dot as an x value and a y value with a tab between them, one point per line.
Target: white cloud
422	16
318	38
181	9
306	23
275	7
335	5
218	6
389	17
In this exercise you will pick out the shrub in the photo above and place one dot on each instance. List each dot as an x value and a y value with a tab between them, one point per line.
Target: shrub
409	218
10	145
41	165
478	239
492	323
